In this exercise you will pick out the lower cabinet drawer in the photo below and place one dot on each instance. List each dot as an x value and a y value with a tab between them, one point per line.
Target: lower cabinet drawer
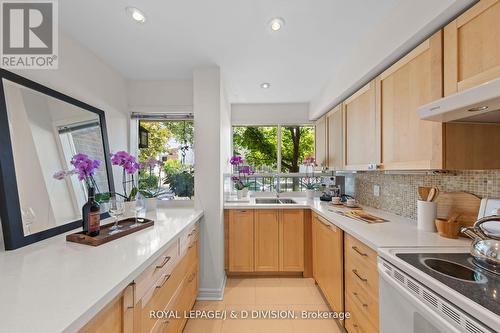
188	238
166	291
183	301
363	300
161	267
358	322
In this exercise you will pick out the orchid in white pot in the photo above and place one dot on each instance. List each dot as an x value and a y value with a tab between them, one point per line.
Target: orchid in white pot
240	181
310	186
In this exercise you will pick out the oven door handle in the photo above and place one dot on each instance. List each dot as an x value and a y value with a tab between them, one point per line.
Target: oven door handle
431	315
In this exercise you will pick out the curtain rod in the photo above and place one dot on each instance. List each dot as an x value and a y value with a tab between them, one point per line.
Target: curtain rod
162	116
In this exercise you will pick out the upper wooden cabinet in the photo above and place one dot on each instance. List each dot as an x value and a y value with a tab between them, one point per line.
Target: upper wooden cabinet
407	141
335	138
472	48
320	143
361	129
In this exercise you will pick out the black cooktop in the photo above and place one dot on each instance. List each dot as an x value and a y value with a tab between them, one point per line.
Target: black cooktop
457	271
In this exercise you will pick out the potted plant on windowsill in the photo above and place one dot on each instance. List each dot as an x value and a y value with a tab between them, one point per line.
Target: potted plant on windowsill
310	186
240	182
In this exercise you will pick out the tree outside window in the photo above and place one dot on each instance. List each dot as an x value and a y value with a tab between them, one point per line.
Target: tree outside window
171	145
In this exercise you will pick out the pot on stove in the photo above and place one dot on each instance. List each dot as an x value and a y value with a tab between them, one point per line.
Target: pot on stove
486	242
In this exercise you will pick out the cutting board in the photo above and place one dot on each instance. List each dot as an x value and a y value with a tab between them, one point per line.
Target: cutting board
463	203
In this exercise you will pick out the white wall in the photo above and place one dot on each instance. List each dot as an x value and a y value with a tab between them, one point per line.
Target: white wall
270	114
85	77
160	96
406	26
210	121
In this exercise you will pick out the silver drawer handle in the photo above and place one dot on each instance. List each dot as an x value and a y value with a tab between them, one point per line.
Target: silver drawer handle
165	279
164	262
359	277
359	299
355	248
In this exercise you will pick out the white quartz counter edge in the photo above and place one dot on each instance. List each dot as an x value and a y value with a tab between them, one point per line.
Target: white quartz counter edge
399	232
57	286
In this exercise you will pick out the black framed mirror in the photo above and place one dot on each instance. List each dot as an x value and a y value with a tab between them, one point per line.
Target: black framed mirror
40	131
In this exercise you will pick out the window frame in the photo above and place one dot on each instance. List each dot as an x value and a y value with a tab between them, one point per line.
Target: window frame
279	142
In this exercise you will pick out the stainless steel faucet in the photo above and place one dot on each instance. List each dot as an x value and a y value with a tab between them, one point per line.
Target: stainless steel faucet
277	186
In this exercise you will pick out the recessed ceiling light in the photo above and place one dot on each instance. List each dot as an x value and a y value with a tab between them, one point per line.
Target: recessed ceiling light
265	85
136	14
276	23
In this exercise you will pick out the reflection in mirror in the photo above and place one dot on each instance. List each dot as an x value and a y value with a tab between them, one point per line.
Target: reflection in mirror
46	132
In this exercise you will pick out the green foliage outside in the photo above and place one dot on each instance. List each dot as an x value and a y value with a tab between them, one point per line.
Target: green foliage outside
258	146
178	177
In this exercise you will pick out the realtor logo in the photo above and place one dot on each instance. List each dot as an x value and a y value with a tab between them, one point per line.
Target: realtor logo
29	34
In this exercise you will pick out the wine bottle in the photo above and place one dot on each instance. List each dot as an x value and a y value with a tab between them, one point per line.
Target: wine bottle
91	215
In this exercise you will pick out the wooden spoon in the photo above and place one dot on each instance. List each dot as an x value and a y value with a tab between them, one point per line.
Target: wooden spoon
423	192
433	193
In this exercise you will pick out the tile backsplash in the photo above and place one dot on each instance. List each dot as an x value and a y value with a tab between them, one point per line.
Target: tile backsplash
398	192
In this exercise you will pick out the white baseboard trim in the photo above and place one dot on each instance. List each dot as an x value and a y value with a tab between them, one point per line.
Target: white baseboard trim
212	294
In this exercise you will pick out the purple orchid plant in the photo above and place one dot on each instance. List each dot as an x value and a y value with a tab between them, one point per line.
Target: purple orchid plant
244	171
130	166
310	163
84	167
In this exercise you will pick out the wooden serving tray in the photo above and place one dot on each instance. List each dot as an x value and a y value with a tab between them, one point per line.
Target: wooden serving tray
107	235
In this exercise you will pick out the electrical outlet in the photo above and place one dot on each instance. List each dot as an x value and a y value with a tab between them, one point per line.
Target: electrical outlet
376	190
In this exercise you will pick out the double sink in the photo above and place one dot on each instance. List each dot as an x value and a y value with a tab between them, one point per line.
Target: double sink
274	201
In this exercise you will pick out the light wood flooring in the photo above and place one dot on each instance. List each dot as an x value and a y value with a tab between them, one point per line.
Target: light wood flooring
248	294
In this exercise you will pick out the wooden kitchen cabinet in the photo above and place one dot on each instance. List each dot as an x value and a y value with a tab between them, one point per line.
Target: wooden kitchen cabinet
241	240
117	316
266	240
168	283
320	141
291	240
361	286
409	143
471	47
328	269
335	138
361	129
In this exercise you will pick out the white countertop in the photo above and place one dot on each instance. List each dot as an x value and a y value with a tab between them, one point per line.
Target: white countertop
398	232
58	286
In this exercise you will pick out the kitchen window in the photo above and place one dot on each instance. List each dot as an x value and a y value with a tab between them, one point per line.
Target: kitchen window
166	152
272	150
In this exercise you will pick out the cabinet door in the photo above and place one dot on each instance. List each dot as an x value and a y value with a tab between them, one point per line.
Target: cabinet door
335	139
407	141
361	129
241	240
329	263
291	242
111	318
471	47
266	240
320	145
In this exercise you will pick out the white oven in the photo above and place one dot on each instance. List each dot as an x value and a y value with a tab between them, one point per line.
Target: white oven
407	306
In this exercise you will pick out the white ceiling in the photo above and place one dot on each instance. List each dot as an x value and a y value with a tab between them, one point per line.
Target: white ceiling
181	35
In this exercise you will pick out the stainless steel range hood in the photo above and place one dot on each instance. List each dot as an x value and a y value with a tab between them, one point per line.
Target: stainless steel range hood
479	104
